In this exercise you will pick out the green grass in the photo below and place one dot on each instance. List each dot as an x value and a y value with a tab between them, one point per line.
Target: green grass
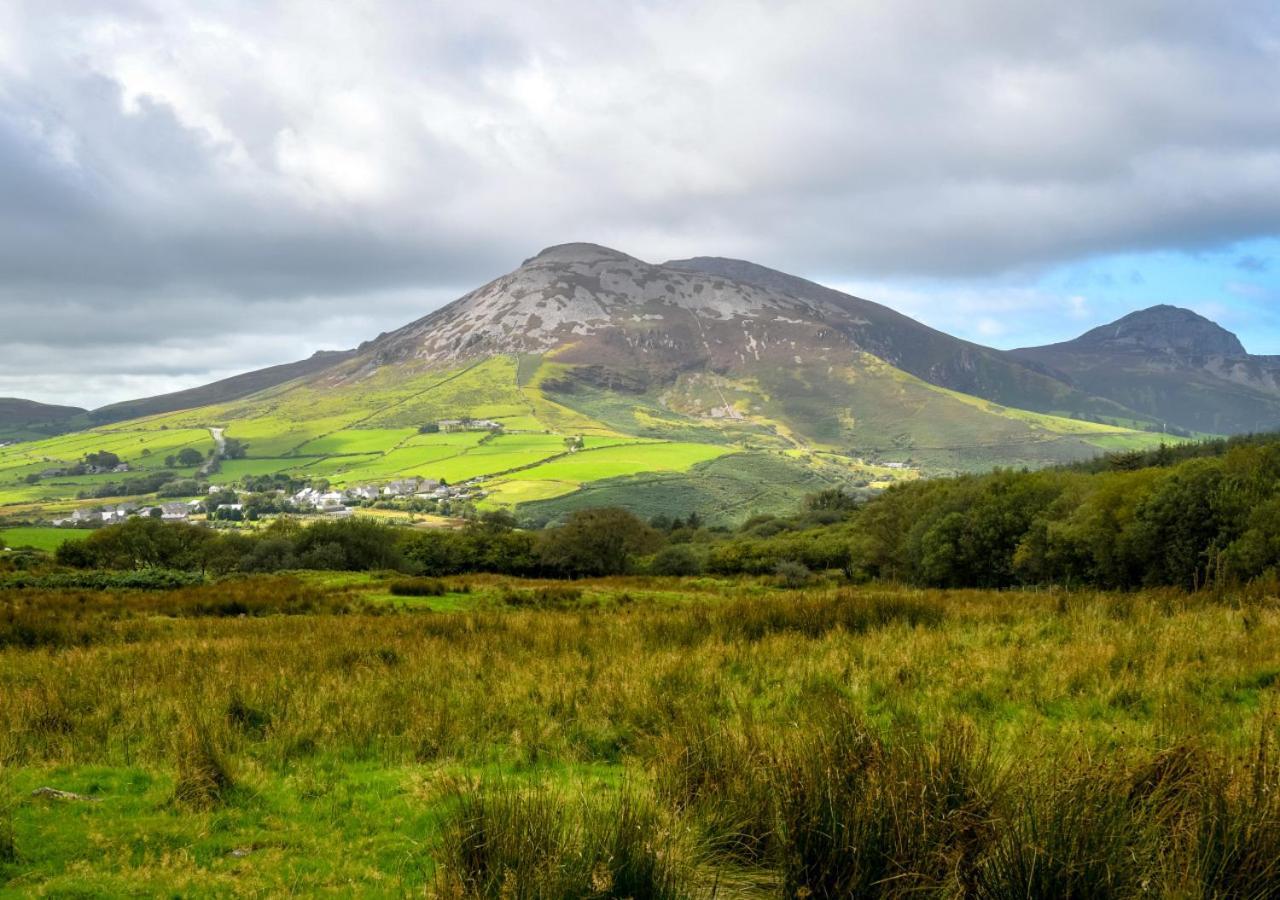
724	490
231	470
679	730
610	462
357	440
514	491
129	445
418	456
47	539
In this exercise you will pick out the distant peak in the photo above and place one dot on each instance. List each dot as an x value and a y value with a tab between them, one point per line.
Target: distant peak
1165	328
578	253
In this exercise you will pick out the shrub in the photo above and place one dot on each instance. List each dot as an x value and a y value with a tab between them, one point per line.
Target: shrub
677	560
143	580
418	587
560	596
352	544
792	574
597	542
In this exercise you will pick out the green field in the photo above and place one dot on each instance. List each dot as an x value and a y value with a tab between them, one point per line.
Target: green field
610	462
724	490
366	440
47	539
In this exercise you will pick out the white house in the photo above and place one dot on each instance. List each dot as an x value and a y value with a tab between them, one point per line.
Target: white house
328	501
363	492
305	497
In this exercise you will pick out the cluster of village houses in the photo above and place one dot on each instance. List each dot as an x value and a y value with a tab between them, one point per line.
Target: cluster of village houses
336	502
331	503
177	511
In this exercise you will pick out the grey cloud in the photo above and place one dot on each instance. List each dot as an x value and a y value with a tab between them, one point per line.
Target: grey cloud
169	168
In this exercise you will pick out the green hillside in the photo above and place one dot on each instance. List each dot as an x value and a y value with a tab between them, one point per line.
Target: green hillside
720	445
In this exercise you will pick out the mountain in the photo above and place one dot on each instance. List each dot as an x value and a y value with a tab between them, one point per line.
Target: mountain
637	323
26	419
1172	365
587	376
748	349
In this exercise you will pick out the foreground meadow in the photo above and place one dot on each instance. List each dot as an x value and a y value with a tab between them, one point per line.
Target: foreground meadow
637	737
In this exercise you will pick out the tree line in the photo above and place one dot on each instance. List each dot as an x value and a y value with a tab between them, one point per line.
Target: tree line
591	543
1187	517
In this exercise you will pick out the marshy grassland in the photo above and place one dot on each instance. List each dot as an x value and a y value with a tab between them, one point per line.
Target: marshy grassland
637	737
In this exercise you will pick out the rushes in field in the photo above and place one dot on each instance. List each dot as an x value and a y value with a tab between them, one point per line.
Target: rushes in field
814	616
8	834
501	840
202	779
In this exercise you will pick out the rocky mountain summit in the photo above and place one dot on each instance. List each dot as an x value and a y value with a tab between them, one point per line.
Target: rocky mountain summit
1173	365
1163	329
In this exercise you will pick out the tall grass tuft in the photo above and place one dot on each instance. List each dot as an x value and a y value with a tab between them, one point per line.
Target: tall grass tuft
8	833
860	817
855	611
202	779
1236	844
721	777
501	840
835	809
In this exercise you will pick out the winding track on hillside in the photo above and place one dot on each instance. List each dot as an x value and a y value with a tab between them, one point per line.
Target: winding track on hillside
220	447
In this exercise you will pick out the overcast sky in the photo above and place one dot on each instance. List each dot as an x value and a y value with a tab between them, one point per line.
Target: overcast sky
193	189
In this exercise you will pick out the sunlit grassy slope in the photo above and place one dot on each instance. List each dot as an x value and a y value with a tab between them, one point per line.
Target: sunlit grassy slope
813	424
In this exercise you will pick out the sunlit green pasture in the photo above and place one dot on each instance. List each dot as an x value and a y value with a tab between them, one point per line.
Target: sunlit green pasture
140	447
47	539
357	440
610	462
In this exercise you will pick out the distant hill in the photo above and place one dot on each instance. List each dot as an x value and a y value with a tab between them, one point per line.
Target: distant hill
25	419
1172	365
219	391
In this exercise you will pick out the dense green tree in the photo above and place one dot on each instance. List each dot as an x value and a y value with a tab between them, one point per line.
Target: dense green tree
189	456
597	542
103	459
144	543
354	544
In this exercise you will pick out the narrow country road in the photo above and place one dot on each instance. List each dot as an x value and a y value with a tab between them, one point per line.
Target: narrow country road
220	445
